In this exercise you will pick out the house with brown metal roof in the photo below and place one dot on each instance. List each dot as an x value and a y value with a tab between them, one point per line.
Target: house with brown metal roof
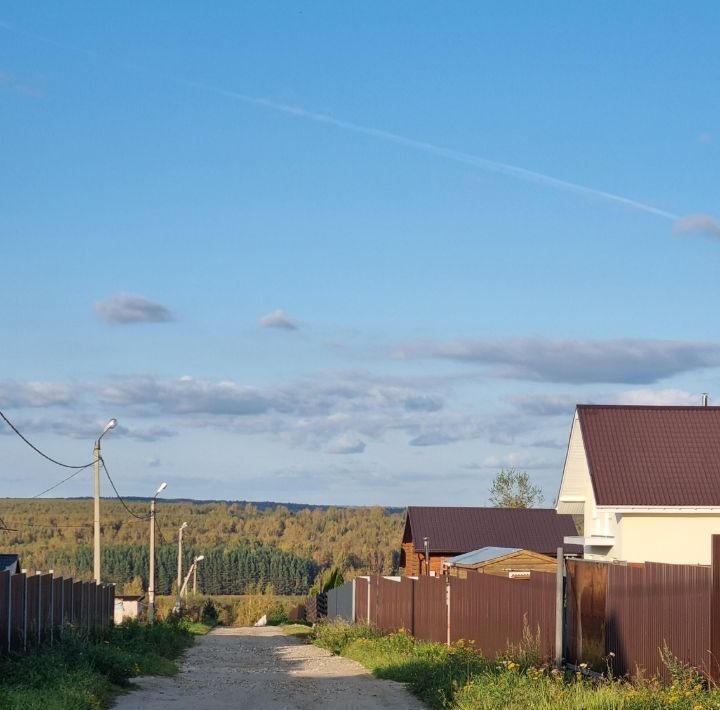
441	533
646	481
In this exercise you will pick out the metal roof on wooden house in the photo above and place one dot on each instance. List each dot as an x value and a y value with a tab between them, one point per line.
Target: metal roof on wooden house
455	530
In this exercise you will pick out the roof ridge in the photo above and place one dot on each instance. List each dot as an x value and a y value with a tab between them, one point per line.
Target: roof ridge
651	406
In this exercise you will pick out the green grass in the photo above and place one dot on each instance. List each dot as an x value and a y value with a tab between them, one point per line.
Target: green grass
198	628
81	671
459	677
297	630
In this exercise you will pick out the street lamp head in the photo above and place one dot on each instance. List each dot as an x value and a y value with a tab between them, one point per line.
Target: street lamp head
163	486
183	526
201	557
110	425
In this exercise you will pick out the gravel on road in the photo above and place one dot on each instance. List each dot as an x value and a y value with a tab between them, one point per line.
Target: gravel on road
263	668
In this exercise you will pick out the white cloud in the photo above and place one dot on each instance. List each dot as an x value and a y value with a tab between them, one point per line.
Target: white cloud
631	361
546	405
516	459
279	319
35	394
124	308
347	444
664	397
702	224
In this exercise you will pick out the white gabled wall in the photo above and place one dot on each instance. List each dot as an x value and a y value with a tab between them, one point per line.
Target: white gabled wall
576	484
576	474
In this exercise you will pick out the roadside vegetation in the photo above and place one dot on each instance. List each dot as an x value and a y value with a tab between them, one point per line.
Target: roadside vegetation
460	677
82	671
235	610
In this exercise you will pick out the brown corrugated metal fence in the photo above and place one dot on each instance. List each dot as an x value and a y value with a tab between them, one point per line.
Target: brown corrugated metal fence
496	612
33	607
617	616
623	616
655	605
430	606
362	589
395	604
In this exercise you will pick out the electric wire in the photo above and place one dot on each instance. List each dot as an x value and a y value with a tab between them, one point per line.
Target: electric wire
59	483
35	448
119	497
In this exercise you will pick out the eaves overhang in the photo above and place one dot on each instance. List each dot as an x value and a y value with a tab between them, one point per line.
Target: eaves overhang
663	510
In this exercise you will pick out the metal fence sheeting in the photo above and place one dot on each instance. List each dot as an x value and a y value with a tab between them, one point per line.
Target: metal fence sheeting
340	602
497	612
33	607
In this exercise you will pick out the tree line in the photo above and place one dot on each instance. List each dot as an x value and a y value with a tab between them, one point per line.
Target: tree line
238	570
235	537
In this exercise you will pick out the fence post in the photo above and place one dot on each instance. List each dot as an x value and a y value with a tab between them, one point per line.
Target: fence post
369	592
52	603
559	608
9	619
447	603
715	612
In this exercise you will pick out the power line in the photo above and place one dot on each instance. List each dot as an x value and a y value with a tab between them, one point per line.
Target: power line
44	455
163	541
59	483
119	497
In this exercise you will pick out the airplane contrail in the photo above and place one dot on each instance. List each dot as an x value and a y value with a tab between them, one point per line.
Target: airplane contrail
447	153
423	146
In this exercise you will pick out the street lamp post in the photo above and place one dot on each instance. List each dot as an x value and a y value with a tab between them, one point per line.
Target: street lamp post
96	516
192	570
197	559
151	583
179	565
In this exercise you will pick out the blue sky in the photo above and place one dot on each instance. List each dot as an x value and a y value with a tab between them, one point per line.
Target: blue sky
349	252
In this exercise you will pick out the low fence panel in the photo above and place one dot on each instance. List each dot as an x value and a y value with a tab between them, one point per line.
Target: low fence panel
18	606
340	602
58	606
311	608
395	604
496	612
430	609
68	588
32	605
77	619
586	602
46	606
86	619
362	589
5	610
374	603
655	606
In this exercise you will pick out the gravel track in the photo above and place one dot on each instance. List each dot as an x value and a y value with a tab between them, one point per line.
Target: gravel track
263	668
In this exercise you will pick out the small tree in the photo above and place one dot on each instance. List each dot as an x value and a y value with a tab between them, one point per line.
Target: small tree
134	587
513	489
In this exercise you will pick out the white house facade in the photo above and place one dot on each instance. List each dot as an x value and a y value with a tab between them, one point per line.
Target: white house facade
646	481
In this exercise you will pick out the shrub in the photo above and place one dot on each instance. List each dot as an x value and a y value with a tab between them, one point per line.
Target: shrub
209	613
528	652
335	636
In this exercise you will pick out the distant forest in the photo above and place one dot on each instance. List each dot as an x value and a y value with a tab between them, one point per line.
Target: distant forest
247	547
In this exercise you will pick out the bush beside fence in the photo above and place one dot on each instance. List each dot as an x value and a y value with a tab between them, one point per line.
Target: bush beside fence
34	607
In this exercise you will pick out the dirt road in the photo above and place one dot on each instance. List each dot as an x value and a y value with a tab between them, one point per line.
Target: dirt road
248	668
